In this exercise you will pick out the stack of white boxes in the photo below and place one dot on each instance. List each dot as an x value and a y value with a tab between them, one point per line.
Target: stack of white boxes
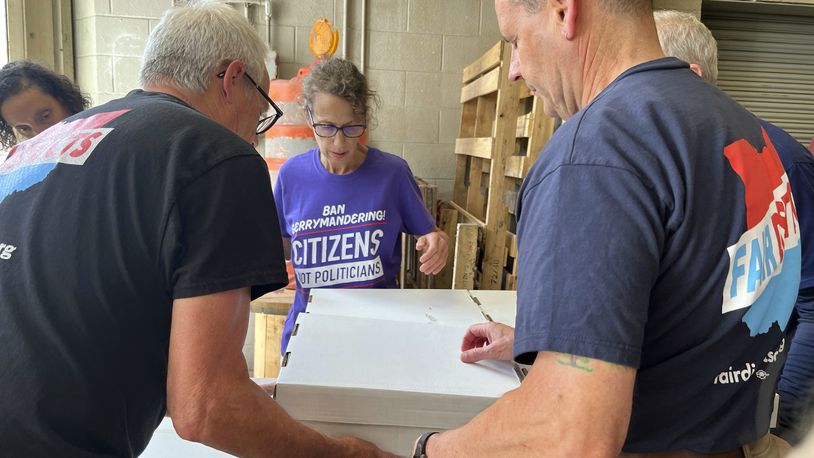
384	365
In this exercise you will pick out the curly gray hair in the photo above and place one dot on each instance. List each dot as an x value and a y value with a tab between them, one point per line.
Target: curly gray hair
341	78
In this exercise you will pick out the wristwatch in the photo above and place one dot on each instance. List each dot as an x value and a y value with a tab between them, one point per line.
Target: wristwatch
421	446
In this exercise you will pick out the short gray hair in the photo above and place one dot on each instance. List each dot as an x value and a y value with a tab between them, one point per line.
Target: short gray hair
682	35
343	79
191	41
613	6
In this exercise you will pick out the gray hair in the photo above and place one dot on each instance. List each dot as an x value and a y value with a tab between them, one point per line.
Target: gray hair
191	41
341	78
612	6
682	35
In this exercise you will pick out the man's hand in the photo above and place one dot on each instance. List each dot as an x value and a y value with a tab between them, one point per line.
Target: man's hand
435	248
487	341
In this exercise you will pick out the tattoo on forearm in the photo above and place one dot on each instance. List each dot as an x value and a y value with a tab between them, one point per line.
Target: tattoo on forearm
577	362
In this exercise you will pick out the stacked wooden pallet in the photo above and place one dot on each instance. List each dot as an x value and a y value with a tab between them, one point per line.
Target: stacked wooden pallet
410	275
503	129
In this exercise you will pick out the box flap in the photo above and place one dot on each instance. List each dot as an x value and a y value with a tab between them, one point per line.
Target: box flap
360	370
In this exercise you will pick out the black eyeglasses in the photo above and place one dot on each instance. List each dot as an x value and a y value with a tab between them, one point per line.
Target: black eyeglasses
329	130
265	122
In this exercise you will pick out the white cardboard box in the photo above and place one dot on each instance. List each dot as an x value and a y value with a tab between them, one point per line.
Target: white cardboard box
439	306
442	306
384	381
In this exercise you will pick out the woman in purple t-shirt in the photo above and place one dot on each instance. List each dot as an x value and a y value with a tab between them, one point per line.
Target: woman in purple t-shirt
343	205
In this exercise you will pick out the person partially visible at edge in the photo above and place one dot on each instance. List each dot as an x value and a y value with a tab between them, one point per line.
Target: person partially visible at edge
132	238
343	205
32	99
683	36
659	254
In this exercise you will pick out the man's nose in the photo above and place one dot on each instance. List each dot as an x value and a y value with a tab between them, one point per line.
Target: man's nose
514	66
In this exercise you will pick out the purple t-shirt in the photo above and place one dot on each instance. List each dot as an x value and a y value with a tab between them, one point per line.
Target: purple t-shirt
345	229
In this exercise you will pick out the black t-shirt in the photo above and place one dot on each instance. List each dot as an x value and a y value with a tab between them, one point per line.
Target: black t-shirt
104	220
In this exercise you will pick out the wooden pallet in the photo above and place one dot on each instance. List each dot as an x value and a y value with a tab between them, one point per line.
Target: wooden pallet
410	275
503	129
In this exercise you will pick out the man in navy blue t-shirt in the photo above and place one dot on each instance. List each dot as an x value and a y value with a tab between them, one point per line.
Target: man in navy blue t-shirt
660	253
682	35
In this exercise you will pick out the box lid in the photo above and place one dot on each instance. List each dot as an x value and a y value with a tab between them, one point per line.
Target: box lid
377	372
440	306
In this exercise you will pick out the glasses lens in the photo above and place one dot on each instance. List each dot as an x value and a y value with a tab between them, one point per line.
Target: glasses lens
265	123
353	131
325	130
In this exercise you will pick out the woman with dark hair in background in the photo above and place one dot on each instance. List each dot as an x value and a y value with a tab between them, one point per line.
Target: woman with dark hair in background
33	98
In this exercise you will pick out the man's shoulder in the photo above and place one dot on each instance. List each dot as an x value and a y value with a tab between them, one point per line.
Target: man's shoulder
788	149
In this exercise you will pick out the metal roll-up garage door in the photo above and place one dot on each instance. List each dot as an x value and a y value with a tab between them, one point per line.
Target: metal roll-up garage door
766	60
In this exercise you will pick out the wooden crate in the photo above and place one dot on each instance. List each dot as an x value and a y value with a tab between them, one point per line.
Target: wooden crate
503	129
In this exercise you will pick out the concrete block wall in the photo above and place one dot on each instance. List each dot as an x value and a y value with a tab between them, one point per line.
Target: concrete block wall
415	53
109	37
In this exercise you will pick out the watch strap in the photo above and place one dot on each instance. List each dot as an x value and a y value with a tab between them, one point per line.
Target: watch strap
421	446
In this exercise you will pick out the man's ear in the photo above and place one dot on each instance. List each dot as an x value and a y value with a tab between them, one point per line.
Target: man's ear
232	79
697	70
566	12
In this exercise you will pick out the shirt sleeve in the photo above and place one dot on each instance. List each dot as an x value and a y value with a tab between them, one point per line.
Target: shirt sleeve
416	220
225	233
590	240
801	178
279	201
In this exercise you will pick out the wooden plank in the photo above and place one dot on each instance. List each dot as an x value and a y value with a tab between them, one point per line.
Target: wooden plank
268	332
490	59
404	262
464	216
259	366
448	223
466	252
476	147
511	244
515	166
485	116
541	130
274	334
486	84
474	196
469	114
524	92
274	303
524	125
496	216
461	178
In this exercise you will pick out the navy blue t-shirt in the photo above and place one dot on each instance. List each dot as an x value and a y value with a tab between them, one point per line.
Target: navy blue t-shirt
799	165
658	232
